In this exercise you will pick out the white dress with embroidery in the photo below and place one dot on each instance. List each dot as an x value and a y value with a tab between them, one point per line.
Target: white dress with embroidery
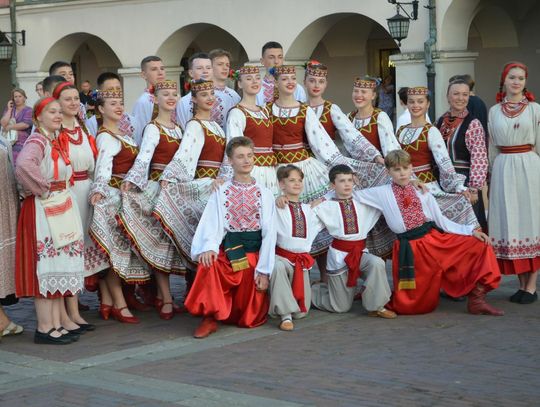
180	205
144	230
58	270
514	196
104	227
82	160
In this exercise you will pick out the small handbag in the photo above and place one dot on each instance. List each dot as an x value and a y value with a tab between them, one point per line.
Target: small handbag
11	135
64	220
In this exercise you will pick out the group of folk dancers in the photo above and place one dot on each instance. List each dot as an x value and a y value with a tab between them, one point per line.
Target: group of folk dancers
243	194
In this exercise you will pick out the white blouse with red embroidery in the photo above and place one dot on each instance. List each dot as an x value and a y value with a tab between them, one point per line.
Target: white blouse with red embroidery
238	207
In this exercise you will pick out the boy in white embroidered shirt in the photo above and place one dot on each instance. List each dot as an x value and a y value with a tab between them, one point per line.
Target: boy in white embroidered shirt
297	226
234	245
347	257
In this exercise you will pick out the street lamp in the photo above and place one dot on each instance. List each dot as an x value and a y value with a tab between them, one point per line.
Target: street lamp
398	26
6	43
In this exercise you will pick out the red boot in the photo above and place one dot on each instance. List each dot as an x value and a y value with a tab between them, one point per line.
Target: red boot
207	326
477	303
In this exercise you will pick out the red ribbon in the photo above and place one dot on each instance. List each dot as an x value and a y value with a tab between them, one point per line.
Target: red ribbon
60	87
41	105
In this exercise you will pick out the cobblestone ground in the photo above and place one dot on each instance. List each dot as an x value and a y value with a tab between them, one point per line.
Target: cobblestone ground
447	358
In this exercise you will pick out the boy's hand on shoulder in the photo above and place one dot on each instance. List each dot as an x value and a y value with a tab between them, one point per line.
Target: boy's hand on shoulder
217	183
261	282
282	201
481	236
208	258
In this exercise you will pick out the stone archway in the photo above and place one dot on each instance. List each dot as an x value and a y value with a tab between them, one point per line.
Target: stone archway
350	44
89	54
199	37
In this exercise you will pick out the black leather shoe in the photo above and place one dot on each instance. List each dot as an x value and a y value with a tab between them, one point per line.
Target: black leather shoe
88	327
71	335
79	331
528	298
47	339
516	297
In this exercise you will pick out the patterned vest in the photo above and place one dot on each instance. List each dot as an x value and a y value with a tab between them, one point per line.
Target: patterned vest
164	152
211	154
326	120
371	130
290	141
457	148
123	161
260	131
421	156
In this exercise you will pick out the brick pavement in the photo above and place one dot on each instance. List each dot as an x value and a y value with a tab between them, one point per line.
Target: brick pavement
447	358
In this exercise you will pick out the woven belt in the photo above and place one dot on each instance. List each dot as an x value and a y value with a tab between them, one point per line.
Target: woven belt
80	175
525	148
57	186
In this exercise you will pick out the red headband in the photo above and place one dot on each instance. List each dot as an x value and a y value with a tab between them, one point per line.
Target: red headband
511	65
41	105
59	88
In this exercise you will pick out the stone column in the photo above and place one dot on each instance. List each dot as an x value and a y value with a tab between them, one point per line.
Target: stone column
133	85
410	71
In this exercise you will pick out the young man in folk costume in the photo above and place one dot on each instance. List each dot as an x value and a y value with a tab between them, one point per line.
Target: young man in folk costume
64	69
272	57
234	245
334	121
349	222
431	252
152	71
297	226
252	121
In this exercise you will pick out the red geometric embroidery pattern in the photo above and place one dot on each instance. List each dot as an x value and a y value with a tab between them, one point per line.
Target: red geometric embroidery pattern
348	213
299	226
243	207
409	205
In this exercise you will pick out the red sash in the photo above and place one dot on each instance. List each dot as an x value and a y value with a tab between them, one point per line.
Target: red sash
354	251
524	148
301	261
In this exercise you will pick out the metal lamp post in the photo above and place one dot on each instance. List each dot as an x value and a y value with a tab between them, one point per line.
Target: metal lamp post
398	26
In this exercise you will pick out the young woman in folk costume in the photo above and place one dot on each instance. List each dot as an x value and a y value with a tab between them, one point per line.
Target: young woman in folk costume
300	139
189	179
252	121
465	140
334	121
429	155
514	196
48	267
116	154
373	123
81	149
161	140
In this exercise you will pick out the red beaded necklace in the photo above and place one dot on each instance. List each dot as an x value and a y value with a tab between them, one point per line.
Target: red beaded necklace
513	109
69	133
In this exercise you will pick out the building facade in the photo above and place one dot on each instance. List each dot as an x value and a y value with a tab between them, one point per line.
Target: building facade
350	36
